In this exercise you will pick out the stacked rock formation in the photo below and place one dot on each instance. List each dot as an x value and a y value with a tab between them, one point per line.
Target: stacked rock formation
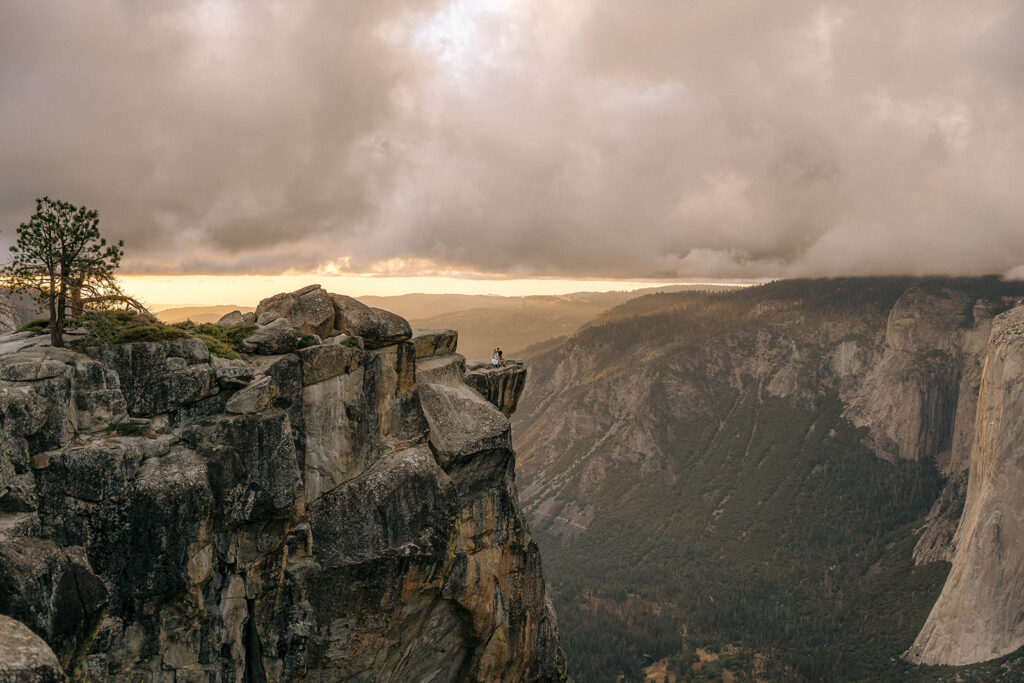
341	511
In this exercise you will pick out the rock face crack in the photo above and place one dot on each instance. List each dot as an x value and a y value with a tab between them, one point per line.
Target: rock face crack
254	672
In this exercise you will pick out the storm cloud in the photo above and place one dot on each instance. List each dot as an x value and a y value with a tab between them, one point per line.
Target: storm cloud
616	139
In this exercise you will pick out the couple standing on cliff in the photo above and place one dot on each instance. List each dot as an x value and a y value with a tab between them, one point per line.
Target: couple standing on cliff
496	358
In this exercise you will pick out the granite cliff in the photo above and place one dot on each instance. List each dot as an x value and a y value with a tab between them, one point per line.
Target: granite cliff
978	615
342	511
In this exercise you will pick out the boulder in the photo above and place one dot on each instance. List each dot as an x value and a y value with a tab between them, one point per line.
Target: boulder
253	469
375	326
471	439
276	337
46	394
430	343
401	505
257	397
232	318
324	361
55	592
309	310
346	416
232	373
448	369
25	657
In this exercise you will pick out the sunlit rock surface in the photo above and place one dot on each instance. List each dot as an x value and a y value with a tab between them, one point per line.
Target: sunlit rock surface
978	615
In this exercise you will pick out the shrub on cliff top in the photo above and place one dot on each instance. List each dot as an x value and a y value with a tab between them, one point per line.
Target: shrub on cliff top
218	347
147	333
37	325
120	327
124	327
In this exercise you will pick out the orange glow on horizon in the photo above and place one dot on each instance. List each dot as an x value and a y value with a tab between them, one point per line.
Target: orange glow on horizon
248	290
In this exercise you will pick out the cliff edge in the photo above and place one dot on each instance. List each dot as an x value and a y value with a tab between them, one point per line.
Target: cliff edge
978	615
342	511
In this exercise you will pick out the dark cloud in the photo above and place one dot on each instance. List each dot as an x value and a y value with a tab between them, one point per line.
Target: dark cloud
650	138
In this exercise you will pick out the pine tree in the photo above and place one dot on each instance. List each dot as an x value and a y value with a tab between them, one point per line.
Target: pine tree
60	254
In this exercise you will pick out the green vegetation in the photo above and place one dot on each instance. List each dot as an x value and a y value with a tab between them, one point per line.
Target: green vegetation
127	326
307	340
218	347
123	327
798	549
223	342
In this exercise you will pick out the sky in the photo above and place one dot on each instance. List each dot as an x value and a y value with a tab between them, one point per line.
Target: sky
641	140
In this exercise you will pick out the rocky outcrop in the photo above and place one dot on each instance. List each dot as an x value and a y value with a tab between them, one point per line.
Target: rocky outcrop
277	336
501	385
909	397
325	513
375	326
25	657
977	616
308	310
431	343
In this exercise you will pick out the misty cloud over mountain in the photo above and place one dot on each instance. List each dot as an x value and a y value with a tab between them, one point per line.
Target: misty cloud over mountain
579	138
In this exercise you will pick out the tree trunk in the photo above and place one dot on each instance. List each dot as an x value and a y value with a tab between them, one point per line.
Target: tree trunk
56	338
57	330
77	308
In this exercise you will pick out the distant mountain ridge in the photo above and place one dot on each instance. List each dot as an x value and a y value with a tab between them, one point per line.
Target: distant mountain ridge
483	321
